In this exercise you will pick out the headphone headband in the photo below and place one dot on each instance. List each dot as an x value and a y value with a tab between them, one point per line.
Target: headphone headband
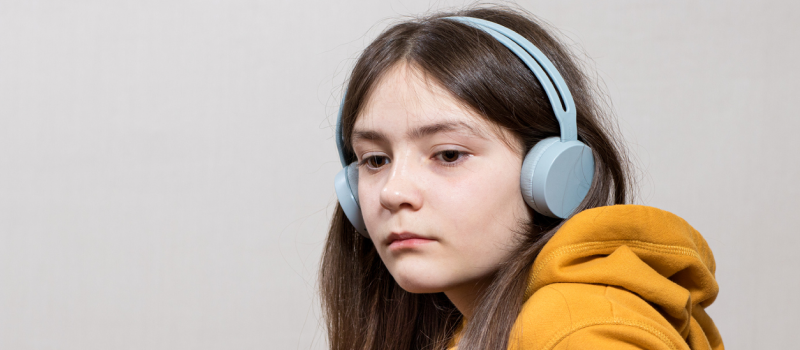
544	70
339	136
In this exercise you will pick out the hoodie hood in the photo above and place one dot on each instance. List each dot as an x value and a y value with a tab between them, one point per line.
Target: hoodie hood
649	252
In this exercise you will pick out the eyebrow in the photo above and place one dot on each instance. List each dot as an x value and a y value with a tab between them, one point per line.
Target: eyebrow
420	132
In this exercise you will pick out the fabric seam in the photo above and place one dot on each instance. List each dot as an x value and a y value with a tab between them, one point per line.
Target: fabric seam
569	310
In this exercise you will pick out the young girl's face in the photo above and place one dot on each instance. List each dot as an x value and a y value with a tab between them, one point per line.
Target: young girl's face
438	186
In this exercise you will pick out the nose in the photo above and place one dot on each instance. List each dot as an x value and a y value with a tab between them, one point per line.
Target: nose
402	189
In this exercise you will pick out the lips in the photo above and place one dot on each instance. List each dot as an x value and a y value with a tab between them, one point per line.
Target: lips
406	240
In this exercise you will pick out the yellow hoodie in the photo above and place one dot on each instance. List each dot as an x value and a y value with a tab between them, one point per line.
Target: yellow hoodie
620	277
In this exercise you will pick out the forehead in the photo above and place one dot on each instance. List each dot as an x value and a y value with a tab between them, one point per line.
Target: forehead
405	99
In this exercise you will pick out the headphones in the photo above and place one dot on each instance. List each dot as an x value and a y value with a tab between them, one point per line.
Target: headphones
556	173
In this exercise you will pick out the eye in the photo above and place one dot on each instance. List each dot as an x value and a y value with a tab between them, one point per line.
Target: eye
375	162
450	157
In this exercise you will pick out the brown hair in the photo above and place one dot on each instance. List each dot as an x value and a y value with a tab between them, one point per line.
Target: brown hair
364	308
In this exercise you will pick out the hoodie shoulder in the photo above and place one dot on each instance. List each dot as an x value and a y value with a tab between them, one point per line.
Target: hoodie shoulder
621	275
578	316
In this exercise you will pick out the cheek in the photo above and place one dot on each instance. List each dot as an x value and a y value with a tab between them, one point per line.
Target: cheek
488	200
369	188
479	220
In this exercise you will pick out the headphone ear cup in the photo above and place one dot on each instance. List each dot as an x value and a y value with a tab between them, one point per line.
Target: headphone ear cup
346	185
556	176
528	167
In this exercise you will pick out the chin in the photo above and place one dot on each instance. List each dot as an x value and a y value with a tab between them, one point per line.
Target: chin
418	288
419	281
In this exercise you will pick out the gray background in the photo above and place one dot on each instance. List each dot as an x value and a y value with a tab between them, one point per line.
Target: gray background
166	167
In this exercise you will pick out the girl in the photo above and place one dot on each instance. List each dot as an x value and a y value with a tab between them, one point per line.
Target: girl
480	204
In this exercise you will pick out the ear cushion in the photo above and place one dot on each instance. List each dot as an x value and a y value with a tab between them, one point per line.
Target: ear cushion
352	181
346	184
528	167
556	176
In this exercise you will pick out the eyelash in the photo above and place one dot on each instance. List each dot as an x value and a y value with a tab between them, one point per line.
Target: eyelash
461	156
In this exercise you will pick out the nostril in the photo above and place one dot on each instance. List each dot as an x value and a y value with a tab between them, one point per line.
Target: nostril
397	196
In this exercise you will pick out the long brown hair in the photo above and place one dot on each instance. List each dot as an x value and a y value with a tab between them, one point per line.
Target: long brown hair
364	308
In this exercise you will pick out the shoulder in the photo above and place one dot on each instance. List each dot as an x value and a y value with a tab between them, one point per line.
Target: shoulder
580	315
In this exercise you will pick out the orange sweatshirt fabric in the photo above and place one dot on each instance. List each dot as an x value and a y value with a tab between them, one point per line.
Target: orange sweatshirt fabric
620	277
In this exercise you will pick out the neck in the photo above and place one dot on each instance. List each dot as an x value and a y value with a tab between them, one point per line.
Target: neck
465	297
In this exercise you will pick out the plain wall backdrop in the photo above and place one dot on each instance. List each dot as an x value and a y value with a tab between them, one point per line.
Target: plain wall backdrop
166	167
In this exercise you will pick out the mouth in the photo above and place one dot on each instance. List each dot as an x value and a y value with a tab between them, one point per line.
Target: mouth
406	240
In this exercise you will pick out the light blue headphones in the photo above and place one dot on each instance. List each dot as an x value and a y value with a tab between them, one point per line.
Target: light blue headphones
556	172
